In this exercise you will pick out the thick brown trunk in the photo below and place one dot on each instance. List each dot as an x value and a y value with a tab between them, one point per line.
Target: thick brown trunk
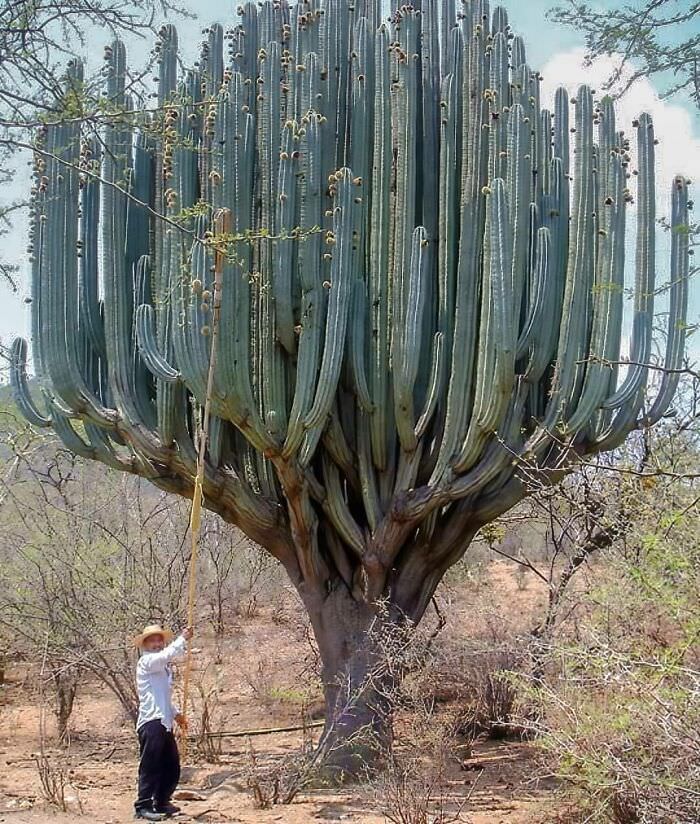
355	640
66	686
362	643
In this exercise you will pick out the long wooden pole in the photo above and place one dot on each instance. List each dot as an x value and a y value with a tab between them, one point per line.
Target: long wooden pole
222	222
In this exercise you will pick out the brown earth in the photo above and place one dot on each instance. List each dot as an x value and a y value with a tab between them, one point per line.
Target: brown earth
260	677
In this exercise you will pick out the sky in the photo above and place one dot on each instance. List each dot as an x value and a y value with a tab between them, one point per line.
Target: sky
556	51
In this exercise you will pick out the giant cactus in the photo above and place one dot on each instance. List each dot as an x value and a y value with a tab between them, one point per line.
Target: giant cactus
423	293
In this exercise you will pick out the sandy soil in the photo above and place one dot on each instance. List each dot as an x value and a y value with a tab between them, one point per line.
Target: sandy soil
260	673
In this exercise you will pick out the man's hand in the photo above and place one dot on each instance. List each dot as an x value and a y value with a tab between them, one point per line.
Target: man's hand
187	633
181	721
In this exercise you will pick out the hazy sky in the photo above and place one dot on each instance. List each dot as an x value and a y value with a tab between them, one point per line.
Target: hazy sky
556	51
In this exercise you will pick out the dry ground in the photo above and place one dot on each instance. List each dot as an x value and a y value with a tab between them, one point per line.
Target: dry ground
262	675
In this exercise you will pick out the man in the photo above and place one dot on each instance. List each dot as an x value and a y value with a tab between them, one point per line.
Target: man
159	765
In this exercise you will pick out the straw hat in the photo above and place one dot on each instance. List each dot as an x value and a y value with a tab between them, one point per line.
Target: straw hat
153	629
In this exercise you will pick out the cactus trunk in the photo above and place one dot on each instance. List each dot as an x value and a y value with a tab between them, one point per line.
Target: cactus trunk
357	684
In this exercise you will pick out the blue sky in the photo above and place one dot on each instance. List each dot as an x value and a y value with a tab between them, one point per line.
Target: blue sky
555	50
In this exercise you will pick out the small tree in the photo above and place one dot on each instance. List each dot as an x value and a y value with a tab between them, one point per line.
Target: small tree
621	717
648	38
85	561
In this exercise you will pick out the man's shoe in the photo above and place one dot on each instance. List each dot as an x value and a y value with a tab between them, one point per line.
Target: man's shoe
149	815
167	809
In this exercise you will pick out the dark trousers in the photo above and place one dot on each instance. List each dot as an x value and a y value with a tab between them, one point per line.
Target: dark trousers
159	767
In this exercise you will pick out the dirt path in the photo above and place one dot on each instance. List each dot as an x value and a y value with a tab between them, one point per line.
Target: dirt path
496	786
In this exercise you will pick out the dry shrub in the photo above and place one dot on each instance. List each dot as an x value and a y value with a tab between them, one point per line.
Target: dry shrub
261	681
409	794
628	753
210	720
54	780
53	775
280	782
494	702
272	785
522	579
480	678
413	787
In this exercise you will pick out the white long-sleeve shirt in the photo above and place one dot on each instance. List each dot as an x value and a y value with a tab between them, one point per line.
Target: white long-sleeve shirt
154	684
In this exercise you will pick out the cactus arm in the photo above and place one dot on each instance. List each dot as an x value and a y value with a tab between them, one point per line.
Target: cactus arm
499	20
338	305
626	418
378	261
519	185
497	456
339	556
271	377
500	90
118	283
368	480
361	150
233	367
561	128
608	289
475	156
640	345
188	319
495	372
285	248
428	183
167	84
148	346
447	27
139	178
217	435
578	283
518	54
678	304
544	156
405	114
337	510
437	370
214	64
169	396
20	387
88	265
103	449
607	152
170	198
448	243
312	301
70	438
406	371
357	346
64	346
338	447
536	319
556	219
429	134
